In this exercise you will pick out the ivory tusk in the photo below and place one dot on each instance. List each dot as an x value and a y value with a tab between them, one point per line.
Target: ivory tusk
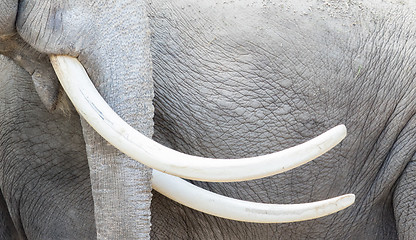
109	125
211	203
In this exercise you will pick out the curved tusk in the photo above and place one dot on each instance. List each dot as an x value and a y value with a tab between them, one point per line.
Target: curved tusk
211	203
109	125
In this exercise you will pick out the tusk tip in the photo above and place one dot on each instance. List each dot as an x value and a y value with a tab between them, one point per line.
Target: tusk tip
341	130
346	200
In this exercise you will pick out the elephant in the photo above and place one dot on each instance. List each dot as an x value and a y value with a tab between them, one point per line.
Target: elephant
224	79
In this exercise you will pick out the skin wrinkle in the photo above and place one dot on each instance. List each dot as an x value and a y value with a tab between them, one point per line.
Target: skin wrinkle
378	184
34	204
8	229
404	193
393	151
375	184
385	88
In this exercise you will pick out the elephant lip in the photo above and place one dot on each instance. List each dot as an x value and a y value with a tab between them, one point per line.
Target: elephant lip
109	125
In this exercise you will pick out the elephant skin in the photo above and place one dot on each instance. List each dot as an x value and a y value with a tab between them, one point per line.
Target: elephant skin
238	79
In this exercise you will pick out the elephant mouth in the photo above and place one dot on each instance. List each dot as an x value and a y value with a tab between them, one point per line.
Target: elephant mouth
111	127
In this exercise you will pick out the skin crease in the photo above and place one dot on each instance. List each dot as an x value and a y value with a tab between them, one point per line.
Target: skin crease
236	79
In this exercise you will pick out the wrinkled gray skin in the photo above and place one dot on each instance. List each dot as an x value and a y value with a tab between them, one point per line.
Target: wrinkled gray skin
230	80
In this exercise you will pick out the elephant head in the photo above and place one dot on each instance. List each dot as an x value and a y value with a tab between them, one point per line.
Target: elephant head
112	41
89	33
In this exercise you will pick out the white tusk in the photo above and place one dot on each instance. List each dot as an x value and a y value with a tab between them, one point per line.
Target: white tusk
211	203
109	125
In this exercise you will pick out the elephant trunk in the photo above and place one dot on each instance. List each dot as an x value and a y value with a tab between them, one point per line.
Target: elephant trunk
120	67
